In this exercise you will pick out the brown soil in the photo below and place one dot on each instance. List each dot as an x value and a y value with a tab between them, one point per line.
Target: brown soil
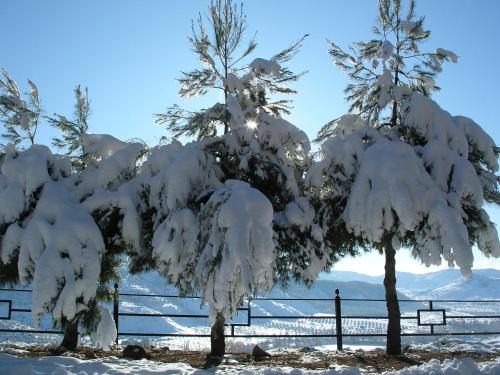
370	360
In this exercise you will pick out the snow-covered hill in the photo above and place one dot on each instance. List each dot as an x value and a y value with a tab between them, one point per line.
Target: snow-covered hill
445	284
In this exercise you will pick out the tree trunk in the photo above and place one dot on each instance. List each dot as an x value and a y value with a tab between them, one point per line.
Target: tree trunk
217	340
394	324
70	340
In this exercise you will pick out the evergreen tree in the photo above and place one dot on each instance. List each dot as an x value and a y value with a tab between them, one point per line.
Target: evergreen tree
401	171
77	144
50	207
221	53
204	230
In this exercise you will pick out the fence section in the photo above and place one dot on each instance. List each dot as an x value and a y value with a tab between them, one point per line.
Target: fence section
348	317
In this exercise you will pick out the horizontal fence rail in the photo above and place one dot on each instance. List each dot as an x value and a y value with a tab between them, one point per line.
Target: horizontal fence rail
426	315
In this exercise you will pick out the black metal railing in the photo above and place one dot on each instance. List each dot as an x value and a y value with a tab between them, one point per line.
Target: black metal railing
428	315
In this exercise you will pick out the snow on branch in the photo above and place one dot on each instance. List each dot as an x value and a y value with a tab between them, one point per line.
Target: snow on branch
61	250
237	255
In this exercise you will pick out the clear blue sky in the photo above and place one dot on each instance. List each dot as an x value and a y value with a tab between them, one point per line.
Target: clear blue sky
128	54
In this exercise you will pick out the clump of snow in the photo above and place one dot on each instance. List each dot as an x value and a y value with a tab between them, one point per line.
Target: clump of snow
175	174
386	50
125	201
448	55
340	156
289	146
479	141
408	26
260	65
385	83
233	83
237	255
23	173
237	117
11	242
347	124
300	212
61	250
101	146
428	120
175	245
112	163
105	334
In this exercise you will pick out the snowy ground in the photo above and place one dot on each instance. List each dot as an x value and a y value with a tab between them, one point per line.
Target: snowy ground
151	284
65	365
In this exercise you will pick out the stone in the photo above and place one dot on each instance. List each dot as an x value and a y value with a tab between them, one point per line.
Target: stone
260	353
308	349
135	352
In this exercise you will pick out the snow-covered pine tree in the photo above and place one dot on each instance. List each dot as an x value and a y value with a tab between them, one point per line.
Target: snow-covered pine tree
401	171
78	225
61	226
88	154
71	143
221	55
223	211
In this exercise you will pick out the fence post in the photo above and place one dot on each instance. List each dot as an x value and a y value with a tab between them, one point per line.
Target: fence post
432	325
249	320
338	319
116	301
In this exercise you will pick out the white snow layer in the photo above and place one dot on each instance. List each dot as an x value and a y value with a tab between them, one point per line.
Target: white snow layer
175	244
233	83
238	250
23	173
449	55
265	66
61	248
386	50
347	124
105	334
176	173
12	365
101	146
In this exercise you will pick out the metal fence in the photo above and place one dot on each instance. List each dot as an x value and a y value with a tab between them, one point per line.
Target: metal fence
428	314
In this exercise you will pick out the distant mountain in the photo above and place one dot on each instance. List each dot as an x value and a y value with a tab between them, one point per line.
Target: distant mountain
350	276
480	286
445	284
